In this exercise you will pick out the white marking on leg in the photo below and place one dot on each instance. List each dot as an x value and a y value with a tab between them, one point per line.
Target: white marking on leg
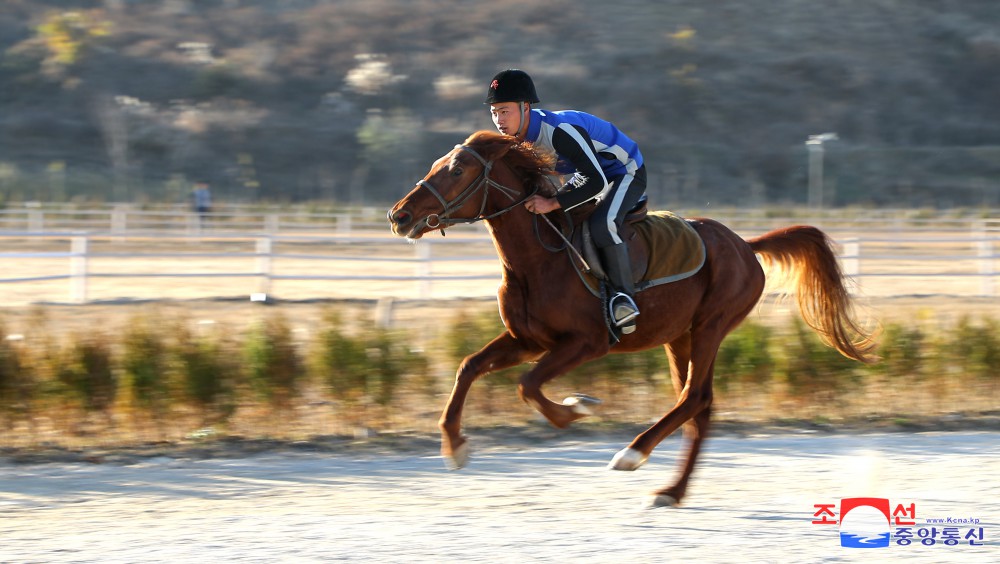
579	403
459	457
627	459
662	501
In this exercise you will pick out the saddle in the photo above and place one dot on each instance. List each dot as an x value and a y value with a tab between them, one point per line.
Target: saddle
662	246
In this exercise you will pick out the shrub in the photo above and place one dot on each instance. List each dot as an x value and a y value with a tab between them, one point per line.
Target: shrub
340	361
468	333
18	385
745	358
811	369
974	349
273	362
365	370
144	362
902	349
86	369
207	374
390	359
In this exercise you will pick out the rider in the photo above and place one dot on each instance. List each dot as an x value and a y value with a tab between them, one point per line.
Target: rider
607	168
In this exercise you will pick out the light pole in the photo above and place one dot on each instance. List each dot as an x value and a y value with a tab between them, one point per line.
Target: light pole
815	146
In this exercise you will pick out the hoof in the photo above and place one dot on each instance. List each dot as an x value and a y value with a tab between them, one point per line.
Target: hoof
663	500
627	459
581	403
459	457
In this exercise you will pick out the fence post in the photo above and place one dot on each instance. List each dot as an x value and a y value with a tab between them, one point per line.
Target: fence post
851	260
119	221
852	257
343	223
383	312
36	220
271	223
78	269
984	252
423	269
193	224
263	272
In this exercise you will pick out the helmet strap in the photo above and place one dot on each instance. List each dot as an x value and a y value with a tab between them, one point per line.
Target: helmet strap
522	130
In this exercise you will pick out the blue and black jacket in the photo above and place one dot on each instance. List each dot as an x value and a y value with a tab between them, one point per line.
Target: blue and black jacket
594	150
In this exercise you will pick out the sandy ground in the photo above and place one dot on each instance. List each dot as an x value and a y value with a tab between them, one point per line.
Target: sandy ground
752	500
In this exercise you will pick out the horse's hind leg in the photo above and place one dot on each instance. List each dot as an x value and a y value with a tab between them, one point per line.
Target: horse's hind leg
694	400
502	352
695	432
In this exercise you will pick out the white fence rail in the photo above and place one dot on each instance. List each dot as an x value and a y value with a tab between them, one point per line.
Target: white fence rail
124	220
351	266
109	266
127	220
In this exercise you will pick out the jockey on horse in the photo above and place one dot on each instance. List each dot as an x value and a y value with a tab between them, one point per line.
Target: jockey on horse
607	168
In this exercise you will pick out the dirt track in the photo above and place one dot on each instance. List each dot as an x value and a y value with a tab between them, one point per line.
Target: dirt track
752	500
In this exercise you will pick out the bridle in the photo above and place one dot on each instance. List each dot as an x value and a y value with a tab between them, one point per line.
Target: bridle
481	183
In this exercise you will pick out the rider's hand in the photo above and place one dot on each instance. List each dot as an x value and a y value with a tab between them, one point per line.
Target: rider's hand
541	204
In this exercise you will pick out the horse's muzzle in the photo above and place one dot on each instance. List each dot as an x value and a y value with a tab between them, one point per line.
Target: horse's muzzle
399	220
404	224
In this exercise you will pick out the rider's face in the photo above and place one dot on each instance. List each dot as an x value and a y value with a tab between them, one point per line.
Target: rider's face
507	117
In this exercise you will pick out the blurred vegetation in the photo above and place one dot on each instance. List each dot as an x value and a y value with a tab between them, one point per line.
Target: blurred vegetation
273	380
341	361
273	364
144	363
84	368
351	101
745	363
18	384
208	373
364	370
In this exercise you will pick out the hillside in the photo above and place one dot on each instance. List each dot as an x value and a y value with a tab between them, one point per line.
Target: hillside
350	101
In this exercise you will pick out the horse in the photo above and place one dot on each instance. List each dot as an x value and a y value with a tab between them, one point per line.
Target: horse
554	321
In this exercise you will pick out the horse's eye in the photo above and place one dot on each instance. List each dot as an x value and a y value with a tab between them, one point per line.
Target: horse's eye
457	171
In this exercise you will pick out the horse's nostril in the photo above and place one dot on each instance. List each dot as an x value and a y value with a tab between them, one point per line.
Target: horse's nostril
401	217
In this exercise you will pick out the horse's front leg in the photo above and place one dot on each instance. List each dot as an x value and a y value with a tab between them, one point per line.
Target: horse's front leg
502	352
559	360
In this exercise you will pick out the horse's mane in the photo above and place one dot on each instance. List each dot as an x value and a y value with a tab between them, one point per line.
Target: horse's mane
534	167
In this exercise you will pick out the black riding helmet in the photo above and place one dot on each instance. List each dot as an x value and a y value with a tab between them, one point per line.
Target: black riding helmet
511	85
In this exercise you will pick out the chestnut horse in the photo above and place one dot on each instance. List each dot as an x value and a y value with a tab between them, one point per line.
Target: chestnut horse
554	321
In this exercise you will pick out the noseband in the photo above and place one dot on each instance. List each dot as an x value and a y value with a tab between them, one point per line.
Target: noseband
481	183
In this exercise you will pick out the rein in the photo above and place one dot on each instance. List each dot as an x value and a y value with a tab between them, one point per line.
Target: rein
482	183
579	263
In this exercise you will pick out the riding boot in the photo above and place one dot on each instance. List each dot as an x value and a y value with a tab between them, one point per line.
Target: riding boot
619	270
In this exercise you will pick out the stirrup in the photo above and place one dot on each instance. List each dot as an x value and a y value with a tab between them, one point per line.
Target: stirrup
623	311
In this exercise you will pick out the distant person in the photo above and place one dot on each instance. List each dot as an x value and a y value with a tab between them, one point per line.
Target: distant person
201	201
607	168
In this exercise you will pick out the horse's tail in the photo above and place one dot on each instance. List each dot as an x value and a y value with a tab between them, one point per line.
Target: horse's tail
806	256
